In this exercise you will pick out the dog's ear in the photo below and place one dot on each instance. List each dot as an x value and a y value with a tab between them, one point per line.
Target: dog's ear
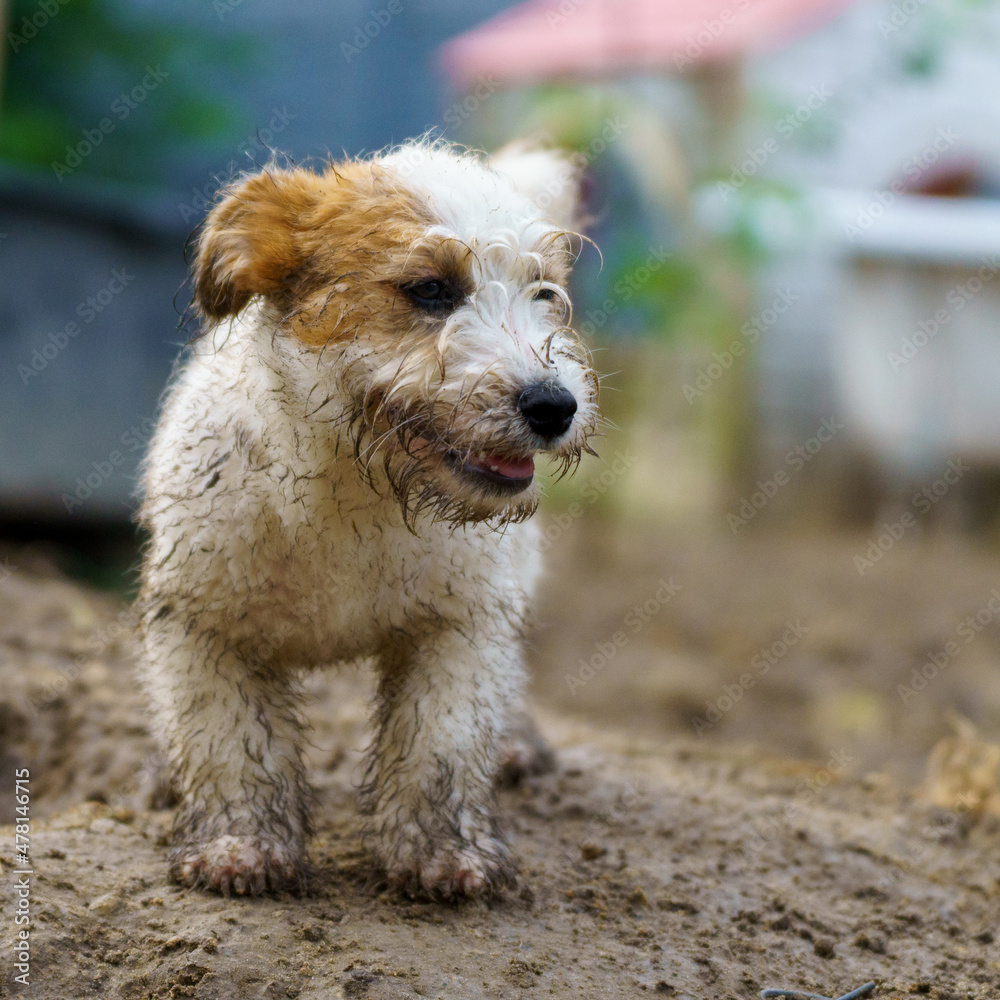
250	242
551	178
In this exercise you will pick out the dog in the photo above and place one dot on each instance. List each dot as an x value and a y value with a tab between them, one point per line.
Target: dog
343	469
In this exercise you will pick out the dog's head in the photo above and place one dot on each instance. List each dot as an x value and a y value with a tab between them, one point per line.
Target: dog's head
423	293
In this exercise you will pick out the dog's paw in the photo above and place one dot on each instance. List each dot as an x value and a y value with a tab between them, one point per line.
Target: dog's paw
523	753
246	866
478	869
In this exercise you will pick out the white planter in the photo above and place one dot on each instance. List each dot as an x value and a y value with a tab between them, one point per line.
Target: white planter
915	345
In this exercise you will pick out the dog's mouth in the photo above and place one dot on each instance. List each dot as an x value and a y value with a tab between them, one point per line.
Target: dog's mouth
492	473
497	472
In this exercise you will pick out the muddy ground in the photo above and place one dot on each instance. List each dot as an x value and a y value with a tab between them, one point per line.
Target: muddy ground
727	814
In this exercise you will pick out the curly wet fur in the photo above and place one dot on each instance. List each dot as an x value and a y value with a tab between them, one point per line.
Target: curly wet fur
309	502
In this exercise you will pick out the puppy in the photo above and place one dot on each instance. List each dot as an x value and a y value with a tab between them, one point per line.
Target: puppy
342	469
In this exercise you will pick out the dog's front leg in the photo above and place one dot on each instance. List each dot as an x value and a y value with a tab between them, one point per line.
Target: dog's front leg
231	731
430	793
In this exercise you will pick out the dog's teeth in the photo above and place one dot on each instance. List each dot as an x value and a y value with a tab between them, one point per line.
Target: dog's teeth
494	468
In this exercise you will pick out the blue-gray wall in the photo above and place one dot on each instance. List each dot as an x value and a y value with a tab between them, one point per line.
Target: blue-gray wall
85	353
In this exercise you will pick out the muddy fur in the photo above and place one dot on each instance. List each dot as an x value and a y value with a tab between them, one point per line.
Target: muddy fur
315	493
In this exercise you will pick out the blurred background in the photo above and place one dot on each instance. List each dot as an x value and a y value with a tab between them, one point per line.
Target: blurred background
790	539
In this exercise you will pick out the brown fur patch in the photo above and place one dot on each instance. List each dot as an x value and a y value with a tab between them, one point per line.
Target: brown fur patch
249	245
332	251
286	234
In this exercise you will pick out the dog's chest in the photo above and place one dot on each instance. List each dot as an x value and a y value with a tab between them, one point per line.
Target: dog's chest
345	576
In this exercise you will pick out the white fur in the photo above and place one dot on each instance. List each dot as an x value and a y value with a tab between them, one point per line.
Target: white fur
270	552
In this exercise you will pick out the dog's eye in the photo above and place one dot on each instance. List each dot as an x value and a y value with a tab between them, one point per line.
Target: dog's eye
545	295
432	294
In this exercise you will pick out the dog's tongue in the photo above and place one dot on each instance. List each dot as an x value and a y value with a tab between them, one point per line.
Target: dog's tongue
512	468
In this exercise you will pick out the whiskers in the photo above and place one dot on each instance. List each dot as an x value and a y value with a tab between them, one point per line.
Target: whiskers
419	436
417	454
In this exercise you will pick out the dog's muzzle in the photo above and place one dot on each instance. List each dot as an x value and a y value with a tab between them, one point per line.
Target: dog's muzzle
547	409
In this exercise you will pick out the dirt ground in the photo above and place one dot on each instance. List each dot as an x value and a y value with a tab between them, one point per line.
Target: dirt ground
741	799
865	668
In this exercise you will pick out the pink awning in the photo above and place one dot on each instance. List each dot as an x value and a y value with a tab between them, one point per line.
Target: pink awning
551	38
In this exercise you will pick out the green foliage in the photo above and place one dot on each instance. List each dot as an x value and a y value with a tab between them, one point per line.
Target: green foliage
71	65
695	290
672	299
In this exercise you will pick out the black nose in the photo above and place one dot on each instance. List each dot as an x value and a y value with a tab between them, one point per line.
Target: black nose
548	408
